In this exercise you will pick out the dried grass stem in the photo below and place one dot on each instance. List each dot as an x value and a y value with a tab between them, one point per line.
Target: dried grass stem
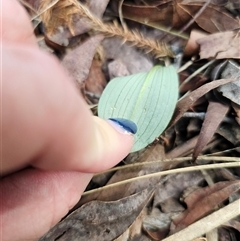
158	49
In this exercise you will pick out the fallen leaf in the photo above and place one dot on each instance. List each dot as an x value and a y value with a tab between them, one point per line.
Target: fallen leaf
186	102
96	80
174	185
153	12
231	90
172	206
135	228
132	61
177	13
213	19
231	132
220	45
78	61
192	47
214	116
126	189
203	201
117	68
237	111
63	19
156	224
98	220
233	224
154	152
208	223
181	149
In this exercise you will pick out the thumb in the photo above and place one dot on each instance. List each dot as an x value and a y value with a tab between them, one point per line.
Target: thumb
112	141
46	123
106	143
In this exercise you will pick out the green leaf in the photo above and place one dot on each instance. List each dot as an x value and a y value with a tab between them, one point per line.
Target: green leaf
148	99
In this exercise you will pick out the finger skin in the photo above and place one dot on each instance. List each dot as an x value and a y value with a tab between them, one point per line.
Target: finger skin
33	201
45	121
15	25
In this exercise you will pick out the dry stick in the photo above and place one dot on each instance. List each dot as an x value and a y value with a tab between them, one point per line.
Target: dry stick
163	173
225	151
158	49
195	73
208	223
212	235
200	239
179	159
121	15
44	10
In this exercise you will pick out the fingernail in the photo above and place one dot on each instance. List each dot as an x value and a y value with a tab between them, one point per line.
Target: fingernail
123	125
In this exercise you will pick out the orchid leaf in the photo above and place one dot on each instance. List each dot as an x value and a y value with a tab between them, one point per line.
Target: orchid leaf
148	99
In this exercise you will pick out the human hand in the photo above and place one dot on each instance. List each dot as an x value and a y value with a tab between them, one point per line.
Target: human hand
51	144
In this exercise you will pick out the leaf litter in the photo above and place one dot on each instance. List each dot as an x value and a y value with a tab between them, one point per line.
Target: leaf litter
158	193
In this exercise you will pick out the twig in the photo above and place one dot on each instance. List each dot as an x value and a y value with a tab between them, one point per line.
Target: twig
164	173
196	73
178	159
208	223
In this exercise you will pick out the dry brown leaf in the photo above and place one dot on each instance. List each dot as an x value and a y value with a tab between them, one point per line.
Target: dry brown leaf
117	68
203	201
233	224
156	224
192	47
113	193
98	220
63	20
213	19
174	185
133	61
166	199
177	13
135	229
214	116
237	111
186	102
222	45
231	90
231	132
172	206
151	154
78	61
154	152
208	223
154	12
96	80
183	148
